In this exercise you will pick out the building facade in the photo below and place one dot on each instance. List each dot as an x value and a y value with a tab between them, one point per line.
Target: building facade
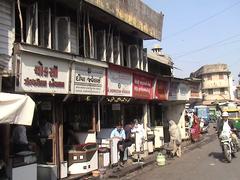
216	82
83	64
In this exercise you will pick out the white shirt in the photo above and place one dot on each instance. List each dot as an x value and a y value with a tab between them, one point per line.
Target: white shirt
226	128
138	128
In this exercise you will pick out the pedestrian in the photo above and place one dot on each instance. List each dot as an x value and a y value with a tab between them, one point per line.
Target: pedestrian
175	138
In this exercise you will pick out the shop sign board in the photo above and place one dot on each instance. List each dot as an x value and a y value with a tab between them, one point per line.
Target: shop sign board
184	92
41	74
142	87
88	79
119	83
173	91
162	90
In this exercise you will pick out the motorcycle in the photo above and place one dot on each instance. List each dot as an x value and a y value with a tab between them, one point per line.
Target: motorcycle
228	146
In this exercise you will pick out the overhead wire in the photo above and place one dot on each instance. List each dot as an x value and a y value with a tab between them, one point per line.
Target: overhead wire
205	47
203	20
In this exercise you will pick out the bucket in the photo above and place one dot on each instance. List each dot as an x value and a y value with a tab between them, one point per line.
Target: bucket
161	160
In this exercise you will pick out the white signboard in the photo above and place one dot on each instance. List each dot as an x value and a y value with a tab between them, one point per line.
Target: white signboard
179	91
184	92
41	74
119	83
88	79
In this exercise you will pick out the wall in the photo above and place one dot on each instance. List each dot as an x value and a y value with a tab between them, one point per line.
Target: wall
176	112
212	68
215	81
135	13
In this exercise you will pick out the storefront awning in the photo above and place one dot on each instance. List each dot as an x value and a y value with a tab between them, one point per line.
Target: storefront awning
16	109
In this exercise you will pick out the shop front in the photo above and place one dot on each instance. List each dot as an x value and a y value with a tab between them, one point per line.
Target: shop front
158	111
82	117
143	94
16	111
46	80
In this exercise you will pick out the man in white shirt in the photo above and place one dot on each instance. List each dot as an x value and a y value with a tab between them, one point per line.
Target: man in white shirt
227	127
140	135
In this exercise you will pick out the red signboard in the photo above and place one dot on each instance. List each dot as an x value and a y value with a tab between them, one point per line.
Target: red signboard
162	90
142	87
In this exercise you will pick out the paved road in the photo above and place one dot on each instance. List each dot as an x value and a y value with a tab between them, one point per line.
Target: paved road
203	163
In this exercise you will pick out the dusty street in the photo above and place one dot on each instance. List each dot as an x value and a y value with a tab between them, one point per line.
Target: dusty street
203	163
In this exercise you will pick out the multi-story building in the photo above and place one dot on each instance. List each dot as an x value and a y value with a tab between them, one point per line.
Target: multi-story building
216	82
83	63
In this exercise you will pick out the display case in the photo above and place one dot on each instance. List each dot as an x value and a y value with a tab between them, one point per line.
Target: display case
83	158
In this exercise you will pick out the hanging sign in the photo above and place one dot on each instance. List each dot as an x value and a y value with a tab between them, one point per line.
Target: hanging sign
88	79
142	87
119	83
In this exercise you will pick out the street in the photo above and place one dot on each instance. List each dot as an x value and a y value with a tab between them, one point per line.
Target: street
204	162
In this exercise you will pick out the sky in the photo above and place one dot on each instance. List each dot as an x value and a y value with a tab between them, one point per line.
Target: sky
199	32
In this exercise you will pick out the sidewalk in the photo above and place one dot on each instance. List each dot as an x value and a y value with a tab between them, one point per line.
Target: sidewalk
120	172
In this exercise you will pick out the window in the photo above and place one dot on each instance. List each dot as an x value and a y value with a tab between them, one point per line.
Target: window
116	50
62	33
32	24
222	91
134	56
209	77
101	45
45	28
210	91
221	76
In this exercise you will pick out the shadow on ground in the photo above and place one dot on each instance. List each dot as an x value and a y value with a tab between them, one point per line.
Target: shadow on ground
219	156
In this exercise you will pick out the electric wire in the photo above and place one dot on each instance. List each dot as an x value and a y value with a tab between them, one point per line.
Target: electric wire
205	47
202	21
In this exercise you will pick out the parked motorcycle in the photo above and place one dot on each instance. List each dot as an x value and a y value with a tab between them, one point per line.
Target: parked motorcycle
228	146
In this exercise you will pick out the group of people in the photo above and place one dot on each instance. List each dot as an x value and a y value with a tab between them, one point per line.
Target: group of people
124	135
125	140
